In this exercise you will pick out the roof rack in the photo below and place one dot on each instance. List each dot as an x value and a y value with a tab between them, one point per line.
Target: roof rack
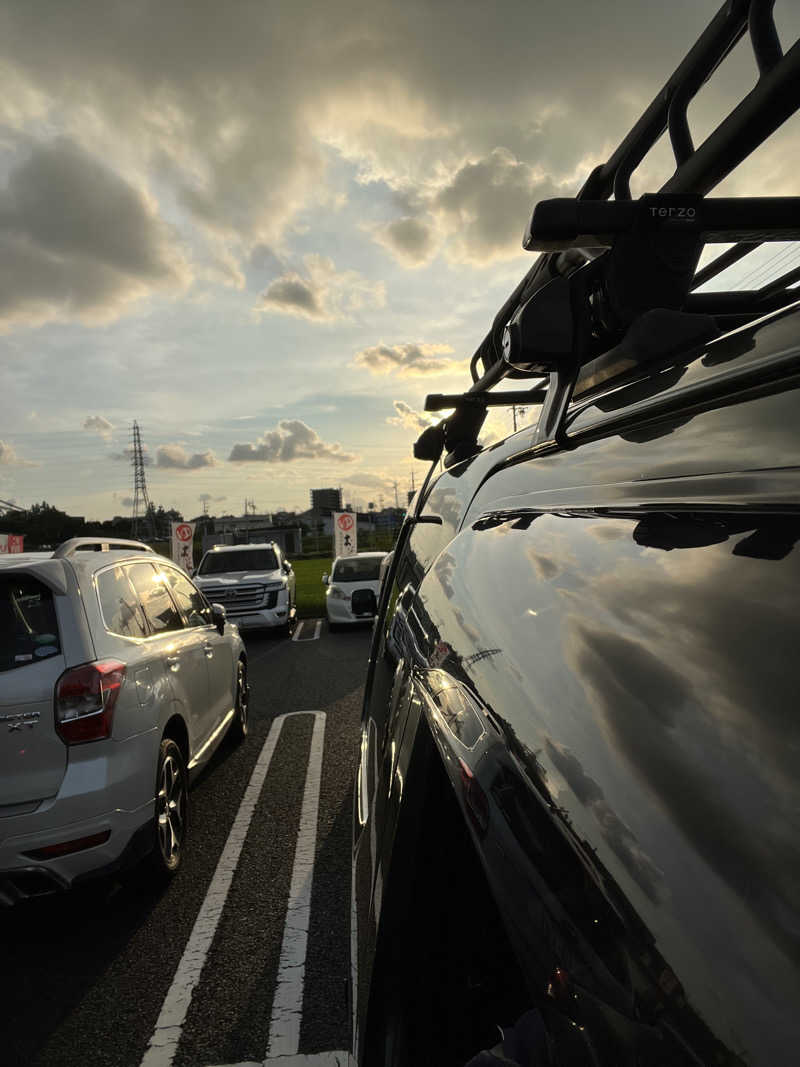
605	264
99	544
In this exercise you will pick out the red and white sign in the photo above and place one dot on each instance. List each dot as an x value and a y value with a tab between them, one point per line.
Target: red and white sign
345	538
183	545
11	543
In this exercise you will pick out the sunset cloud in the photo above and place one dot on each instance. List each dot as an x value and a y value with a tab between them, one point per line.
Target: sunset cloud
322	294
292	440
404	359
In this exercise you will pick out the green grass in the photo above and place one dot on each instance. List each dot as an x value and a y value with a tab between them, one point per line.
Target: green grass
310	591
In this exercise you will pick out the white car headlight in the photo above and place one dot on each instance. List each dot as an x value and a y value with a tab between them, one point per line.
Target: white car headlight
337	594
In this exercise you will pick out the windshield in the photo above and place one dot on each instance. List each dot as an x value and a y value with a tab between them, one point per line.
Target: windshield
28	627
248	559
357	570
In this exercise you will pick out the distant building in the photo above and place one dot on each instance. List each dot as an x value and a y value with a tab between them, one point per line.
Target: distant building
252	529
324	501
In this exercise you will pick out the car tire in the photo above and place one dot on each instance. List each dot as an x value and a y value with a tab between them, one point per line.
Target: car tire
172	804
240	725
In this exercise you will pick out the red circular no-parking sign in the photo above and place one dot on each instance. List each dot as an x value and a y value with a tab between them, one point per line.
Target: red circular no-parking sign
345	522
183	532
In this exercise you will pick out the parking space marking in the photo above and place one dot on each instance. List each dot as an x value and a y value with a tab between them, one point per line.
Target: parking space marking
287	1005
169	1026
315	635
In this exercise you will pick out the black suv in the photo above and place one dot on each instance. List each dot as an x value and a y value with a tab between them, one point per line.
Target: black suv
577	808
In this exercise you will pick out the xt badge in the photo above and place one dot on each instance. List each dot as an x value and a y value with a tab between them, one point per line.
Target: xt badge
16	720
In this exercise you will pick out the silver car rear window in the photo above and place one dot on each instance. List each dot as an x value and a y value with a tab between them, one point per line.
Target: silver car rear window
28	623
122	612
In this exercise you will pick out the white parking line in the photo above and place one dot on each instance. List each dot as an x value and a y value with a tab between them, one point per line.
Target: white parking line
299	630
164	1042
287	1005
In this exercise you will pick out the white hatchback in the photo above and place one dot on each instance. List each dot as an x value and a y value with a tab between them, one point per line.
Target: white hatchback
118	680
353	587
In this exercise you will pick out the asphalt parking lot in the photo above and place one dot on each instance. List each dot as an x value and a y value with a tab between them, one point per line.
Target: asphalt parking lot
209	971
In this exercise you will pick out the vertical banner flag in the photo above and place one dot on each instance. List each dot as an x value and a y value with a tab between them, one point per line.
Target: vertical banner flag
183	545
11	543
344	534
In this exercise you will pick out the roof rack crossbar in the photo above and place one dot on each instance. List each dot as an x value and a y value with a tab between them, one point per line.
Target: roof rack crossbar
763	35
442	401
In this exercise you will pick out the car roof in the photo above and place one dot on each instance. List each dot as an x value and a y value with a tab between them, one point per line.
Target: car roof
238	548
8	560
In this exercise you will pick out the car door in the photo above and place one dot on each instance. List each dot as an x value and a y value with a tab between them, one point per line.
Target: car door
181	649
217	647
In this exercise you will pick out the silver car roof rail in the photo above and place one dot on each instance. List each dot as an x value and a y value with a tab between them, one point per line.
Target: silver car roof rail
99	544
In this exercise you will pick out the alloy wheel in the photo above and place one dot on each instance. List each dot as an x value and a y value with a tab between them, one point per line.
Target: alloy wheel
171	810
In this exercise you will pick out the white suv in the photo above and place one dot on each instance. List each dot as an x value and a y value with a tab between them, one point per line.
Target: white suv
254	583
118	680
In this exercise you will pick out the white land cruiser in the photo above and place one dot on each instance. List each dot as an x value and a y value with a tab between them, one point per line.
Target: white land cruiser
254	583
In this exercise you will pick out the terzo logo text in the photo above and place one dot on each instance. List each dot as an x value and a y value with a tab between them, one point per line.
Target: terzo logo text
673	212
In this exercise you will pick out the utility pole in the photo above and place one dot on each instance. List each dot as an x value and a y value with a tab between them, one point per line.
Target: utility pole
522	412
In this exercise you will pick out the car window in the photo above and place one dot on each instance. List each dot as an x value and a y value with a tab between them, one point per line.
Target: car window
28	625
246	559
190	600
357	570
120	606
159	607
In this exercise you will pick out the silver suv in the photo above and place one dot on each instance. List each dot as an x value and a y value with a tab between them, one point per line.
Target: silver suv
118	680
254	583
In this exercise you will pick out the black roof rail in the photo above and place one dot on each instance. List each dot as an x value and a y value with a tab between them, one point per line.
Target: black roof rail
606	263
99	544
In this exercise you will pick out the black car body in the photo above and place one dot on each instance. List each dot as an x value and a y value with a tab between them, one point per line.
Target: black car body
578	797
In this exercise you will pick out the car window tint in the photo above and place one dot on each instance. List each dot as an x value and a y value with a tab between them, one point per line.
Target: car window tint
122	611
190	600
28	626
244	559
159	607
357	570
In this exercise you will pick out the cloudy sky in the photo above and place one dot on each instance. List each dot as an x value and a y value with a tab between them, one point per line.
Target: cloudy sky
265	230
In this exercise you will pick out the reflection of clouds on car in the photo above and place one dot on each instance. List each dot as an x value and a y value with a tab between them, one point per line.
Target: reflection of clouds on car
619	837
